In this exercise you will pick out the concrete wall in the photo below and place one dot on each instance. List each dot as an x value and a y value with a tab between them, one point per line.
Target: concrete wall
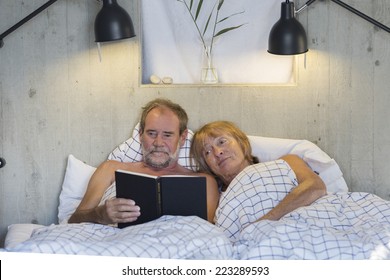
56	98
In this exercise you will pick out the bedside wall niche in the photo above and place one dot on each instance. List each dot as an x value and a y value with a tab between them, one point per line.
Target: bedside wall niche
172	52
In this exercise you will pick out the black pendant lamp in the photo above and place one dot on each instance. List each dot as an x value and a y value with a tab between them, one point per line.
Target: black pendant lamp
113	23
287	36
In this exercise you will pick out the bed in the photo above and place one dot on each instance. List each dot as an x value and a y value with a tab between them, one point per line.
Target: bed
340	225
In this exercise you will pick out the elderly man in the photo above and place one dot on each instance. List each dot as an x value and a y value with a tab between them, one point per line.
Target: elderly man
163	130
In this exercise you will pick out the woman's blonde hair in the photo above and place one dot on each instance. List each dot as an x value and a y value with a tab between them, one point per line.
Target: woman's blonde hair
213	130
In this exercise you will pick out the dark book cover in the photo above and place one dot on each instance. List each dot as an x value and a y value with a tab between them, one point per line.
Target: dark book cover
165	195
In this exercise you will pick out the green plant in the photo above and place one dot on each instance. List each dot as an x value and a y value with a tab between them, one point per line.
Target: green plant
213	21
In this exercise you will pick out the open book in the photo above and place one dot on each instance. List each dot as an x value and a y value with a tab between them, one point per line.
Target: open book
164	195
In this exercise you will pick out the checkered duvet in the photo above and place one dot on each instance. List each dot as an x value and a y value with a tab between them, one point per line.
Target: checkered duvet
352	225
347	225
337	226
167	237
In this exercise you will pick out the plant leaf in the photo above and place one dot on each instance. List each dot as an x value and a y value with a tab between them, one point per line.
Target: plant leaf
198	9
192	2
207	24
220	4
230	16
227	30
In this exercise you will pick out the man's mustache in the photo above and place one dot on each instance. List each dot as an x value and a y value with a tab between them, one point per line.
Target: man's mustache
158	151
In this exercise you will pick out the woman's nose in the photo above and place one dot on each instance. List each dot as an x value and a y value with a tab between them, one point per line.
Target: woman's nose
218	151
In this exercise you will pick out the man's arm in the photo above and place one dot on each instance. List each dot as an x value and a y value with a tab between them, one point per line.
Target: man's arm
310	188
114	210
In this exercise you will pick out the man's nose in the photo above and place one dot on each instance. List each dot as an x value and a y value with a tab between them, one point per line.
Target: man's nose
158	141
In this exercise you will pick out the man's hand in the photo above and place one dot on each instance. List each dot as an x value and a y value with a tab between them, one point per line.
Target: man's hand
119	210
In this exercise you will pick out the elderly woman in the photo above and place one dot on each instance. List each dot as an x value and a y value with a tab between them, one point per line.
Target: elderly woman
222	149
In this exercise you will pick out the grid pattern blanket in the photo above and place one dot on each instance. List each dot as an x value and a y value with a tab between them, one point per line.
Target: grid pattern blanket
347	225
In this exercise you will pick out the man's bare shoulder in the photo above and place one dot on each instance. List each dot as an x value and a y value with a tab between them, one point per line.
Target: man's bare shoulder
112	165
129	166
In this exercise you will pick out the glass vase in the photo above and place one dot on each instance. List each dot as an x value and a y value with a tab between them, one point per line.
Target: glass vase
209	74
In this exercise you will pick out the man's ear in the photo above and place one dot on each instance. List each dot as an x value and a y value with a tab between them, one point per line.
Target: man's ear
183	137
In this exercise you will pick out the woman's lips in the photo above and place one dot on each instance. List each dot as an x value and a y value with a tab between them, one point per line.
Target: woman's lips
222	161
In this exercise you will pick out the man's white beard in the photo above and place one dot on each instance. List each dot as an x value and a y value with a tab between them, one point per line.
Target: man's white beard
162	162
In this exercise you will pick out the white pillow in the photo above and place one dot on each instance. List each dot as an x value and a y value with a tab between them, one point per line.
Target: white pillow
267	149
253	193
75	184
18	233
131	151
